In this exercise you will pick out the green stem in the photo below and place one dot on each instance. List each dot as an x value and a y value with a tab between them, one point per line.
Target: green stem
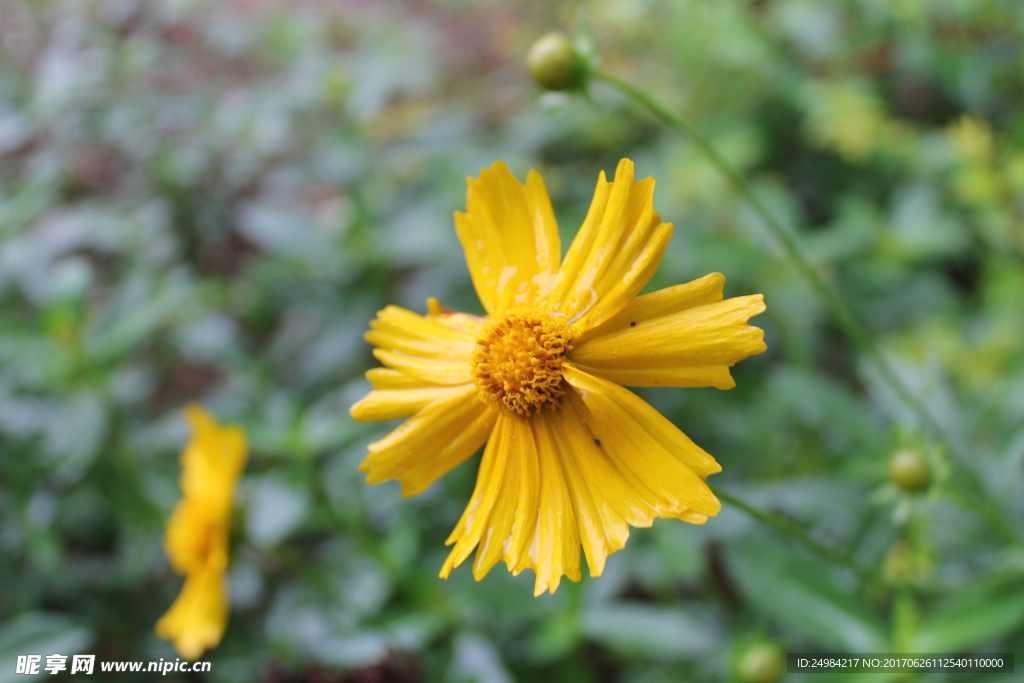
796	532
975	499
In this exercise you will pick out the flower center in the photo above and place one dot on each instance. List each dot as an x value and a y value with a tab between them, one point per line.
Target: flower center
518	362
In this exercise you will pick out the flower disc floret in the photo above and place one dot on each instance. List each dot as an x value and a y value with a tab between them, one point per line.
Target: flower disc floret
517	363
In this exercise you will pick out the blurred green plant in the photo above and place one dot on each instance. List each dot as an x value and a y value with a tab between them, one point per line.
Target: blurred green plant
208	200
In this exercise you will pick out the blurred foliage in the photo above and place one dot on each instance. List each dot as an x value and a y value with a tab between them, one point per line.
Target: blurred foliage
207	201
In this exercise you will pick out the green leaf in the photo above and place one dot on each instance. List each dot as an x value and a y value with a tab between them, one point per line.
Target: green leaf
476	659
556	637
276	509
974	617
657	632
38	633
796	591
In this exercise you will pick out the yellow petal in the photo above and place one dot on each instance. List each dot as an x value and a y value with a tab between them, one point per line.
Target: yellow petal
579	250
426	370
445	433
212	461
518	437
547	246
501	517
464	322
512	518
597	490
615	253
489	478
198	617
551	482
510	238
391	404
555	551
606	495
397	329
384	379
603	500
705	290
717	376
692	347
626	280
641	441
483	258
420	476
523	445
194	531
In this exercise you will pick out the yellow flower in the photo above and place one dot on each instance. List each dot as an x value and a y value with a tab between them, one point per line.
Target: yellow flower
197	534
572	457
847	117
972	137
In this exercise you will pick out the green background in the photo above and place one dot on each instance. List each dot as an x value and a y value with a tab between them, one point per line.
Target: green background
208	201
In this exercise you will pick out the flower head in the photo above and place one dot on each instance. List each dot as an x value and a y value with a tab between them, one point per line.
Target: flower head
197	534
572	458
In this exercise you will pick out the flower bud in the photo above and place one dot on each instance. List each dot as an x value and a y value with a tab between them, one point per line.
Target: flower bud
554	63
908	469
761	664
906	564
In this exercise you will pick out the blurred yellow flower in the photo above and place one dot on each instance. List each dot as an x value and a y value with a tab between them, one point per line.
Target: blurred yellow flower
572	457
972	137
1015	171
197	534
847	117
976	182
